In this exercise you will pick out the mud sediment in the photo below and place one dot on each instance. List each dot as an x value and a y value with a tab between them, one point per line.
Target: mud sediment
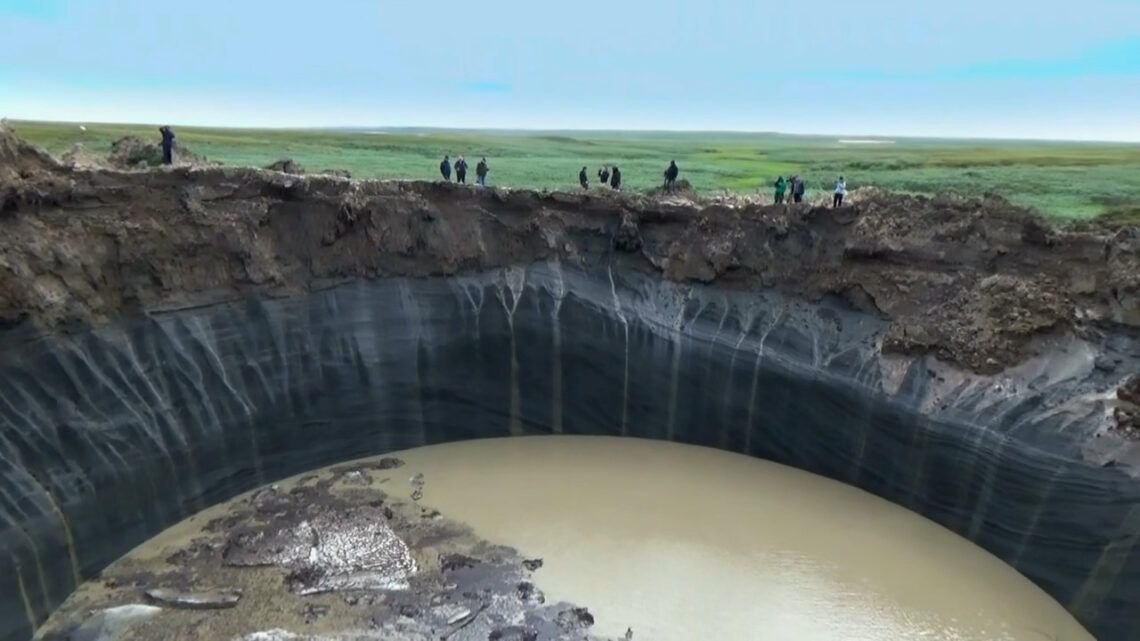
326	556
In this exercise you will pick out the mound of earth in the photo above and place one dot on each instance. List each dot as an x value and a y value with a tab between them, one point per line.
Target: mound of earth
683	189
79	156
132	152
20	160
294	168
287	166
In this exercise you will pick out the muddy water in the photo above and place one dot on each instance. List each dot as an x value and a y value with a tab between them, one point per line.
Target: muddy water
685	543
673	541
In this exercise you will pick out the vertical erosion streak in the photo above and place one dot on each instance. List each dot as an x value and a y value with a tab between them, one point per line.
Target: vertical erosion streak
556	346
516	280
625	373
1108	566
85	403
413	317
710	358
149	430
976	456
133	396
675	369
29	610
1015	561
986	490
750	426
239	396
674	382
861	419
40	575
72	551
726	404
917	455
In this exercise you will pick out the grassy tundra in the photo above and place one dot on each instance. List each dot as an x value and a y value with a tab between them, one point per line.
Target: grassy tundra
1062	180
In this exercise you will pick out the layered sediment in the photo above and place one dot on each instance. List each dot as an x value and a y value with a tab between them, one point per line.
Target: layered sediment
175	336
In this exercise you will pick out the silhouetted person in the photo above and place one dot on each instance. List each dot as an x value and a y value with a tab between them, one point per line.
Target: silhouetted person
604	175
481	170
583	179
167	145
461	170
840	192
798	189
615	179
671	175
781	188
445	169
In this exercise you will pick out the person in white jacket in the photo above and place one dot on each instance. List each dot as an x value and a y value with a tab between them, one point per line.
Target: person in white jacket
840	192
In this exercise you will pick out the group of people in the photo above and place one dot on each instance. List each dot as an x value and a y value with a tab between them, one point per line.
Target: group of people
613	177
605	176
481	170
796	186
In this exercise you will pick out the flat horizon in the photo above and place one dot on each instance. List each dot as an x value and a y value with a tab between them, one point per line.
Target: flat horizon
365	129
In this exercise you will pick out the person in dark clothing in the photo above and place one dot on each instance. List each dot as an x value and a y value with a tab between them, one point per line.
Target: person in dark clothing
445	169
798	190
461	170
671	175
583	179
481	170
615	179
604	175
167	145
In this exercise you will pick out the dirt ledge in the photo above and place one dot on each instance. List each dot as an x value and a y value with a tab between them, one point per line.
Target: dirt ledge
971	281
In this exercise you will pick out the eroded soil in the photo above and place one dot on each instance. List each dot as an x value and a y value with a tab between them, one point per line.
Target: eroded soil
972	282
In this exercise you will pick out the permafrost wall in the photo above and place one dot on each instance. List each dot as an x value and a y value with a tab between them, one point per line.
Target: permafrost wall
108	436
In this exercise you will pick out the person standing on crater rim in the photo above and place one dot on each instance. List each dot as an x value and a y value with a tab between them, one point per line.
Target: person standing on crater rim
615	179
583	179
461	171
798	189
781	188
671	176
840	192
604	176
167	144
445	168
481	169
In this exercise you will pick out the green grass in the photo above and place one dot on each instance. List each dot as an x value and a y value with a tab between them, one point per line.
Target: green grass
1063	180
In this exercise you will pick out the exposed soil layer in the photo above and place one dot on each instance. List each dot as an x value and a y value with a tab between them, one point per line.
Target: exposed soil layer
971	281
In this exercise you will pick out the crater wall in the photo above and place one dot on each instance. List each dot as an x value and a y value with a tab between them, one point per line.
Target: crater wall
109	435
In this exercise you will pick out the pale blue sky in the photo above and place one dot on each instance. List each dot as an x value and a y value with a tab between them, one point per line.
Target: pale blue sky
994	68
